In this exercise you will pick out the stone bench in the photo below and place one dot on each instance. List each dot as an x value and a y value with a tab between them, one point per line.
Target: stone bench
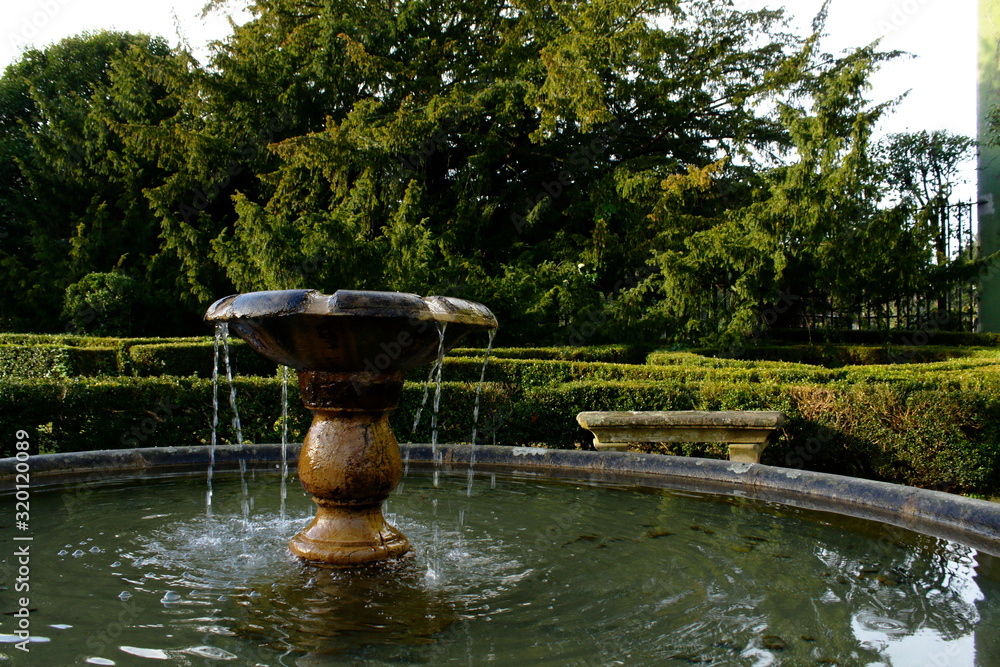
747	432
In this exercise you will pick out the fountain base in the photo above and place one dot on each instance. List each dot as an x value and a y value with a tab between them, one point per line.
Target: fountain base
342	536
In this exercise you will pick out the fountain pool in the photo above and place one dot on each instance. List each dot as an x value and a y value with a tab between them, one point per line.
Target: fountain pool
580	567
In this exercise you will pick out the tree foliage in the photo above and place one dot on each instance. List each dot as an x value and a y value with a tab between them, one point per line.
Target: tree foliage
72	191
105	304
588	168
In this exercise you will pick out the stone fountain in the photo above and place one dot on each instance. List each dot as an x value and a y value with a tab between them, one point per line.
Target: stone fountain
351	350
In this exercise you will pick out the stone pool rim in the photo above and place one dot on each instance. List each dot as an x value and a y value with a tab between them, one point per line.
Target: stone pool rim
969	521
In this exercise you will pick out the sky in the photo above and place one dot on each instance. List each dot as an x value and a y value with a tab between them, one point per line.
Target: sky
939	79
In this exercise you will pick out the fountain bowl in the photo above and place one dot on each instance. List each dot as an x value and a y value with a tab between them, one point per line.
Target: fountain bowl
349	331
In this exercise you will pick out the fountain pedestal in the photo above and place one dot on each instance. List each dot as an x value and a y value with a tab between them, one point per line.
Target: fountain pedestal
351	350
349	464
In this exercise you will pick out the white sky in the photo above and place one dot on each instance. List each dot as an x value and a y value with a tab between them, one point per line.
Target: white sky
941	33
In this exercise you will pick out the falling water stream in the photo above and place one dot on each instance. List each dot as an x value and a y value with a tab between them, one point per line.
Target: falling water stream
221	336
437	393
434	377
215	415
284	438
232	386
475	409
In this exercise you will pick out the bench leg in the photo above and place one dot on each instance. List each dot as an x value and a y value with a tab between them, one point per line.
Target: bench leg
610	446
746	453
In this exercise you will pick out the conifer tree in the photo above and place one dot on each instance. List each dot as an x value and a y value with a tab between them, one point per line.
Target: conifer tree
591	169
72	192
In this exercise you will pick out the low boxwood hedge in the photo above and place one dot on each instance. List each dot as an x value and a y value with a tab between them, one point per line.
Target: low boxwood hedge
68	356
943	439
939	434
57	339
534	373
927	423
928	335
56	361
79	414
196	358
835	356
71	355
619	354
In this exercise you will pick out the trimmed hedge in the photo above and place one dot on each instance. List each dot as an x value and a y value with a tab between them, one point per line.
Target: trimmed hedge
56	361
85	359
835	356
618	354
109	413
931	335
36	355
80	414
940	432
688	358
57	339
123	347
943	439
932	424
530	373
195	358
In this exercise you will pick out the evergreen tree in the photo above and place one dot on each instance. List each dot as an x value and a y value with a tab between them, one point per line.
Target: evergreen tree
506	151
831	228
72	191
591	169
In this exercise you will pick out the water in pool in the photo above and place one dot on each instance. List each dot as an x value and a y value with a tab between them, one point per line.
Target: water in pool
522	570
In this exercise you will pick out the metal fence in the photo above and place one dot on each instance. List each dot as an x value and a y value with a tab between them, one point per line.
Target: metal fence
955	308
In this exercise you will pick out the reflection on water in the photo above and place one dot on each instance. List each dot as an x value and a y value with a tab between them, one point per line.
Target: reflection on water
519	571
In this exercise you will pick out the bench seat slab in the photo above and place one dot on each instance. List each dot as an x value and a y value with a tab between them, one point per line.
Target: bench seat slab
746	431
